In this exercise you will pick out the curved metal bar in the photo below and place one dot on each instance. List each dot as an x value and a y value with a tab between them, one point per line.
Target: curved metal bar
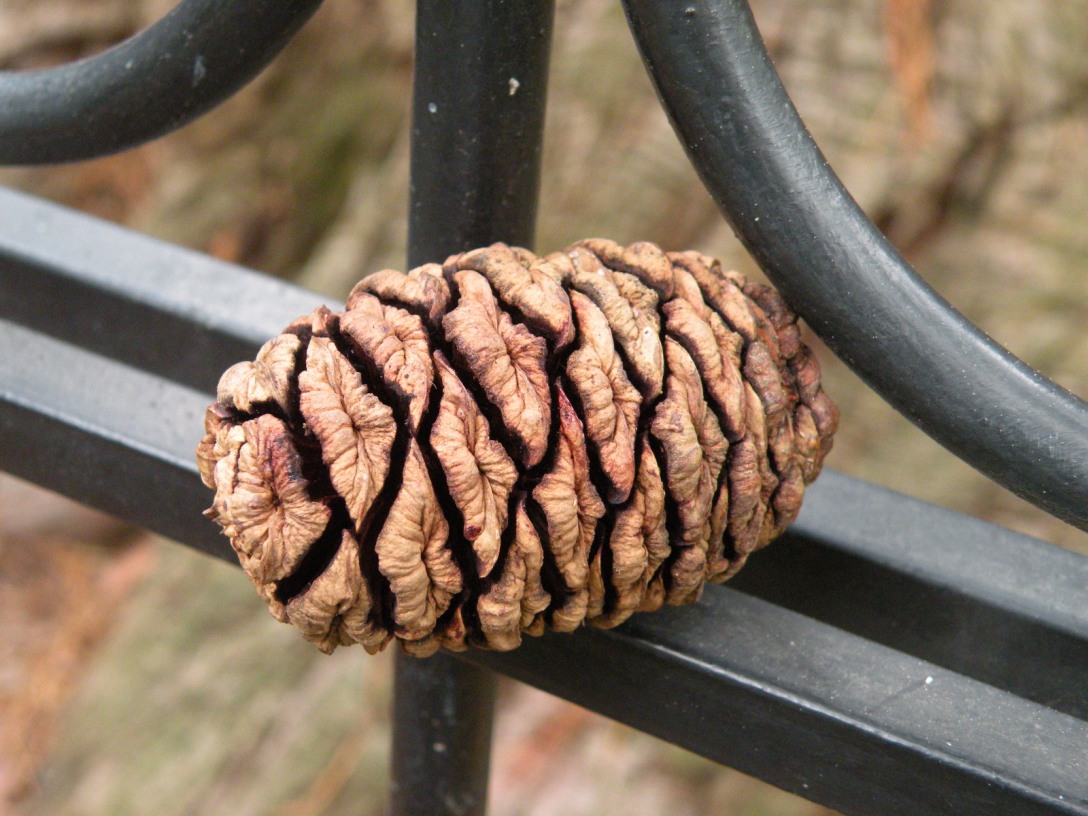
790	210
155	82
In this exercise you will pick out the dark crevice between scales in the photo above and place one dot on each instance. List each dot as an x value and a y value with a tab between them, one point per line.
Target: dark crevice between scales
763	454
529	477
761	320
555	361
319	486
491	412
729	549
373	521
602	533
459	546
645	420
601	483
463	553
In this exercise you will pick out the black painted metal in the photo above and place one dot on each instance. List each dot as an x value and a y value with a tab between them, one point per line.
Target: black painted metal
477	124
155	82
443	756
817	684
887	657
105	434
812	709
770	180
977	599
133	298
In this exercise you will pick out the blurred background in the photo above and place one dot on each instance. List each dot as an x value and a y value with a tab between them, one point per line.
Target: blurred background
138	677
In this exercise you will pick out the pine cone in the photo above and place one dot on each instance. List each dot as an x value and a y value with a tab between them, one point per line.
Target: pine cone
506	443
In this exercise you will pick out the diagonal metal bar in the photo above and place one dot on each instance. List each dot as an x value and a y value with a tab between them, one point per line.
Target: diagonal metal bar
812	677
846	720
830	716
106	434
182	314
944	587
744	136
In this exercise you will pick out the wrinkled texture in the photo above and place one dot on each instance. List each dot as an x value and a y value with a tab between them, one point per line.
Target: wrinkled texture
423	291
412	555
642	259
716	352
625	304
475	452
335	610
354	427
397	344
513	602
479	474
529	289
507	360
217	426
609	401
571	507
246	386
261	499
694	452
535	599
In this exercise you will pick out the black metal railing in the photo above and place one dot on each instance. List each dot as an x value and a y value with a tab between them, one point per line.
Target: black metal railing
151	84
809	670
474	177
886	657
840	273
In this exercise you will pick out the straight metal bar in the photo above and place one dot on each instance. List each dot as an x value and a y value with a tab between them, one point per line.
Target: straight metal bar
968	596
477	123
830	716
769	178
105	434
112	436
977	599
842	719
152	305
151	84
443	757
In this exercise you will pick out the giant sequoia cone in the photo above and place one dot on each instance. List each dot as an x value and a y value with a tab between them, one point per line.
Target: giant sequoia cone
506	443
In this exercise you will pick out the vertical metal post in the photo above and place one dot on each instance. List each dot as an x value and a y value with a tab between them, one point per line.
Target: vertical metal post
442	709
478	117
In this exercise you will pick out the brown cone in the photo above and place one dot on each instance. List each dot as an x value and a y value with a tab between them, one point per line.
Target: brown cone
501	444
